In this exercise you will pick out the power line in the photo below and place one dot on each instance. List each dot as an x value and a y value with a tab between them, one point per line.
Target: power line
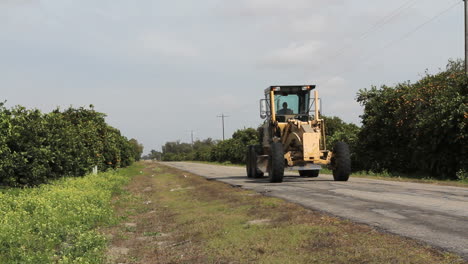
408	34
387	19
375	28
403	37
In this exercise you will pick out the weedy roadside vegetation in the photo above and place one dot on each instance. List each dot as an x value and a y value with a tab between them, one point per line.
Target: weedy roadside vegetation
417	178
58	222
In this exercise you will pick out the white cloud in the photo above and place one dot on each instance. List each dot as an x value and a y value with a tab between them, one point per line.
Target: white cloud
334	85
295	55
15	2
309	24
227	102
279	7
275	4
156	43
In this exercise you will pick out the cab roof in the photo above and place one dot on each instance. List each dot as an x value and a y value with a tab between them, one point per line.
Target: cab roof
290	87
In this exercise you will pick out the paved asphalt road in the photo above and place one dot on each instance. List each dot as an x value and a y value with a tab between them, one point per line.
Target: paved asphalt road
434	214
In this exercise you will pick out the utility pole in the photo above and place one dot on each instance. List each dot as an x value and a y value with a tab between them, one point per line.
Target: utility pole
466	36
191	134
222	118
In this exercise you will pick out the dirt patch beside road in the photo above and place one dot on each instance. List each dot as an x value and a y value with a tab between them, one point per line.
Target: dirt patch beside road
147	232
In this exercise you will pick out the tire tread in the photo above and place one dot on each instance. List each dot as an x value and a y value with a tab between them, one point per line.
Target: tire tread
342	166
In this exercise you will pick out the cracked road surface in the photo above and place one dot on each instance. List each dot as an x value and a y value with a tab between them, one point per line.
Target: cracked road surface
437	215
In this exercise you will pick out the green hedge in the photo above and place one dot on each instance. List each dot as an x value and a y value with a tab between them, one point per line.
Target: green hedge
36	147
231	150
417	127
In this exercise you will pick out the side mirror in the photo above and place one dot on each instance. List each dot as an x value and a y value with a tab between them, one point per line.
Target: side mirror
264	111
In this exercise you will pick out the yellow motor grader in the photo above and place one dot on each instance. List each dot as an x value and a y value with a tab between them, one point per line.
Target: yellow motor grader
293	137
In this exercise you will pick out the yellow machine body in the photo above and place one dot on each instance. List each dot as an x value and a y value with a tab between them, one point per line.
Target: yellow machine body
303	140
293	137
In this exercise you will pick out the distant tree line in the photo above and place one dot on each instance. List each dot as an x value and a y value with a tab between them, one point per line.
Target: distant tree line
36	147
233	150
414	128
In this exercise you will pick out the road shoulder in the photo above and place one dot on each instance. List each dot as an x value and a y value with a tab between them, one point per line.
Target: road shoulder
173	216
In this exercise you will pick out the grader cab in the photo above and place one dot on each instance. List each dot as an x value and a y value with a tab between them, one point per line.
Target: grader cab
293	137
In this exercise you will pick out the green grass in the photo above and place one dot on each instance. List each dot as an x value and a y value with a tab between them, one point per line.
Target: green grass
151	233
417	178
57	222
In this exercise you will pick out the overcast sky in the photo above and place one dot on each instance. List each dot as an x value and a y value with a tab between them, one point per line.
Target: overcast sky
160	69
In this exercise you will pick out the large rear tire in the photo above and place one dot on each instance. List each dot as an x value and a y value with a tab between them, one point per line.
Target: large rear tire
256	172
309	173
248	162
276	162
341	162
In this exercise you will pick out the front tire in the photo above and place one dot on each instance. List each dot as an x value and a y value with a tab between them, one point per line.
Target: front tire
276	162
341	162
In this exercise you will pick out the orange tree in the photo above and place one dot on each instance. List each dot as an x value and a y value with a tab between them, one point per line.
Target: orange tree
36	147
233	149
417	127
337	130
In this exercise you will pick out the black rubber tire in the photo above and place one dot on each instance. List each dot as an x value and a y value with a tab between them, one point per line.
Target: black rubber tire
248	162
309	173
259	174
276	162
256	173
341	162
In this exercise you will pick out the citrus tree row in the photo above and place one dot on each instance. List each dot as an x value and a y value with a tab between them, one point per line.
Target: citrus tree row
417	127
231	150
36	147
